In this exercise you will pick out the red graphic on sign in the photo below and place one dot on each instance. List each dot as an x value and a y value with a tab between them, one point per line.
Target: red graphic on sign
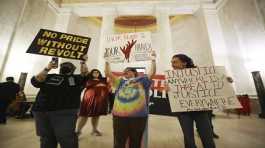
126	50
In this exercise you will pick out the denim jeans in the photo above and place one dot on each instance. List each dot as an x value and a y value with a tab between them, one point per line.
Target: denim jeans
55	127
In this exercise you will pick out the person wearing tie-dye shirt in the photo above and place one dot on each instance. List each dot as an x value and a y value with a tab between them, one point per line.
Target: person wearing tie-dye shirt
130	109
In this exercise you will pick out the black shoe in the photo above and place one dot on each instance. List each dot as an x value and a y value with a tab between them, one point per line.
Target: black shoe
215	136
2	122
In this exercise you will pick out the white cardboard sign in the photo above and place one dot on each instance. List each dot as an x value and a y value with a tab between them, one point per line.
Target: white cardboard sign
201	88
128	47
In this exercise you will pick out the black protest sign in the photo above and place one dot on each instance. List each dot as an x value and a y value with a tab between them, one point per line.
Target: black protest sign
58	44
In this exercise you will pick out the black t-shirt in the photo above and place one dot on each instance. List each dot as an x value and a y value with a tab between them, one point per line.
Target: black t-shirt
58	92
8	91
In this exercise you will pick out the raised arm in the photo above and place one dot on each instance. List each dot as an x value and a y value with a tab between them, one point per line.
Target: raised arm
43	74
153	66
108	72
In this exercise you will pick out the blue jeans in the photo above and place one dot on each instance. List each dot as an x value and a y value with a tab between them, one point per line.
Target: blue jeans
55	127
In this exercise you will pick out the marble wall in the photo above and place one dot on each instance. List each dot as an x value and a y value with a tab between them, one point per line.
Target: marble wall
244	37
242	26
9	14
190	37
37	14
86	27
261	6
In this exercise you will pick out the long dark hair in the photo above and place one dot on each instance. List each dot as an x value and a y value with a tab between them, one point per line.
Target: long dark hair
90	76
185	59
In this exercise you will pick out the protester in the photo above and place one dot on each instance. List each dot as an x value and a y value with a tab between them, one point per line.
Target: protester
94	103
130	109
57	103
8	92
187	119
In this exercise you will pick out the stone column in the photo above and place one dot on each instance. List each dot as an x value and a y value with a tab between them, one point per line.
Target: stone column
11	40
165	51
216	36
62	24
221	31
107	28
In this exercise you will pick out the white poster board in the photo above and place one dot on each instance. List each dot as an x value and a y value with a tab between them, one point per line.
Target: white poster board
128	47
201	88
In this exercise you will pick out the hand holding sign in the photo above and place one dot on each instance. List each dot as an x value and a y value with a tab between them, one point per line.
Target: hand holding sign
84	58
55	62
106	57
52	65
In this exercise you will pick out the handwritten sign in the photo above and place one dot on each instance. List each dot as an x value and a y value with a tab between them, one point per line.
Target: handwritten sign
202	88
129	47
52	43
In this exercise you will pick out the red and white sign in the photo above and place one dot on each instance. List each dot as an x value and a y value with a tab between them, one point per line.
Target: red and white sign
128	47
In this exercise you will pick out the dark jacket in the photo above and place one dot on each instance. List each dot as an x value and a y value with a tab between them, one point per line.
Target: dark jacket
8	91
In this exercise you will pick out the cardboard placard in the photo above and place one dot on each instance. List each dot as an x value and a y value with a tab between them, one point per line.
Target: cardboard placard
128	47
201	88
58	44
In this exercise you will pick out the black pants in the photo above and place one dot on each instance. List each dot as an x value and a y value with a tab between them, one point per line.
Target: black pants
210	115
131	128
55	127
203	125
111	101
3	108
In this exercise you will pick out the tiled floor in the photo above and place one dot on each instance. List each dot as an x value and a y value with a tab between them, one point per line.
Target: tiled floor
164	132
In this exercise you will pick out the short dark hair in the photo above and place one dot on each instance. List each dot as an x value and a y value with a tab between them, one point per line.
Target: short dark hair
132	69
9	78
185	59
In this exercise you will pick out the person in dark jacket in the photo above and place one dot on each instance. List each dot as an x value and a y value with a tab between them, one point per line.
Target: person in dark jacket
187	119
57	103
8	92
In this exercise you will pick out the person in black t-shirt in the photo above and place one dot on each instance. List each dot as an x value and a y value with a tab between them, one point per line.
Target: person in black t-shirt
57	103
8	92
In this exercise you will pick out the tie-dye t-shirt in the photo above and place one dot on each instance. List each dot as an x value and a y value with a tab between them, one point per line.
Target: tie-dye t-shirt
131	97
